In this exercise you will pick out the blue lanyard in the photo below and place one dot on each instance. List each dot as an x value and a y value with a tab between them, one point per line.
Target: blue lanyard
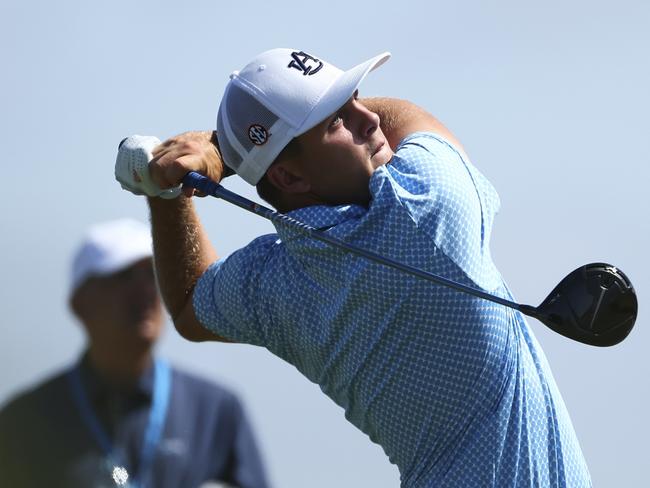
161	390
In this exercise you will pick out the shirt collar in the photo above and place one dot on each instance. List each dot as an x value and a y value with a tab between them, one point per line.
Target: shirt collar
326	216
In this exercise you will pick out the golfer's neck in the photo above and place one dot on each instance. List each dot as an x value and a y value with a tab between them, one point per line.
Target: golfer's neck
120	367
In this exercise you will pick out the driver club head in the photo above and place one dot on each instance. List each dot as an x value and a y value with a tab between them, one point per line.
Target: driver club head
595	304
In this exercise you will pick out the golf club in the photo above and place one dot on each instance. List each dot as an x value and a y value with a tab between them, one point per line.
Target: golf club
596	304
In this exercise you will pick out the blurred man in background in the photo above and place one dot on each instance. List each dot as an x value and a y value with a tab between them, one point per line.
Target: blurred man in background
119	415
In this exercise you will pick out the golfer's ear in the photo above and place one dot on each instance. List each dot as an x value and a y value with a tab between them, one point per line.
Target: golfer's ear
284	178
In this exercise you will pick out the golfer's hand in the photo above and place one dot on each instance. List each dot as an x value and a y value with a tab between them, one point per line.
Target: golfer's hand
177	156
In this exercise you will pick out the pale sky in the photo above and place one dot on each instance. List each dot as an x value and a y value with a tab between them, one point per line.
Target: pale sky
550	99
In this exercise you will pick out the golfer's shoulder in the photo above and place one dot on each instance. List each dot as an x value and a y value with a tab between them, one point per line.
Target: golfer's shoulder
425	163
437	185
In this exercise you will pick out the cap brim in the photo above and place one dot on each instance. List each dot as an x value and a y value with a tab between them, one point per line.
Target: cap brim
340	92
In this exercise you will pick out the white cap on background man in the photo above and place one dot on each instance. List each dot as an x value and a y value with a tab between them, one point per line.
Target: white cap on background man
109	247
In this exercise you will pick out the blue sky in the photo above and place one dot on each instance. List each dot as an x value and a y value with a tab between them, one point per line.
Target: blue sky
550	100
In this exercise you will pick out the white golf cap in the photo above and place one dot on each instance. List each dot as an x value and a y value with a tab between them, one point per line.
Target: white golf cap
109	247
279	95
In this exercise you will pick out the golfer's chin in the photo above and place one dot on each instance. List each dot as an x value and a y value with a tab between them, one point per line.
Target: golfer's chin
382	156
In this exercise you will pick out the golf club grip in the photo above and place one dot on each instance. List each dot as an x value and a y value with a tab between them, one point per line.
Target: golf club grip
209	187
212	188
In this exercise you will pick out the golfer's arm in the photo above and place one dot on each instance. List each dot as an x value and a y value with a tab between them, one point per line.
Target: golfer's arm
182	252
400	118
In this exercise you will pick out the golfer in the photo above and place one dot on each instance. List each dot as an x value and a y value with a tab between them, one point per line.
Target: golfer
455	389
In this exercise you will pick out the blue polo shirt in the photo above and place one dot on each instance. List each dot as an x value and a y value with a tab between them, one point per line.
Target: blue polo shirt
454	388
206	435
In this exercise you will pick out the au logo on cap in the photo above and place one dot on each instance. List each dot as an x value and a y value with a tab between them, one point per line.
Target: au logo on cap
306	63
258	134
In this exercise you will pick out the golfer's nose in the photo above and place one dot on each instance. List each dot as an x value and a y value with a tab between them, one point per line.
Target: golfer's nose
368	121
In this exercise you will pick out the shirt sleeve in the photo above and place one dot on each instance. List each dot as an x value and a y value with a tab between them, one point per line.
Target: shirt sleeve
447	198
228	297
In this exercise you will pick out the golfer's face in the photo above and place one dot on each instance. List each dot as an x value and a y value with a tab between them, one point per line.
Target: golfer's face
125	306
342	152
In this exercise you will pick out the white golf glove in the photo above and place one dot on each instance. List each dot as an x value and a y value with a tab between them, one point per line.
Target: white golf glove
132	167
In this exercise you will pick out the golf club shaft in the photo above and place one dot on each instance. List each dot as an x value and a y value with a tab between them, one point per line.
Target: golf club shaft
209	187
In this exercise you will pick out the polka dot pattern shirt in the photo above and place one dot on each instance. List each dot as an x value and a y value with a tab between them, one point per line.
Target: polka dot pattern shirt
455	389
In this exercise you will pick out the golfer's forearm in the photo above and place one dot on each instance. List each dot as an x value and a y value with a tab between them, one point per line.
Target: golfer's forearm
399	118
182	251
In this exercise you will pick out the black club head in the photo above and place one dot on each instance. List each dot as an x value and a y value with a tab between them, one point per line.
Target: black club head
596	304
